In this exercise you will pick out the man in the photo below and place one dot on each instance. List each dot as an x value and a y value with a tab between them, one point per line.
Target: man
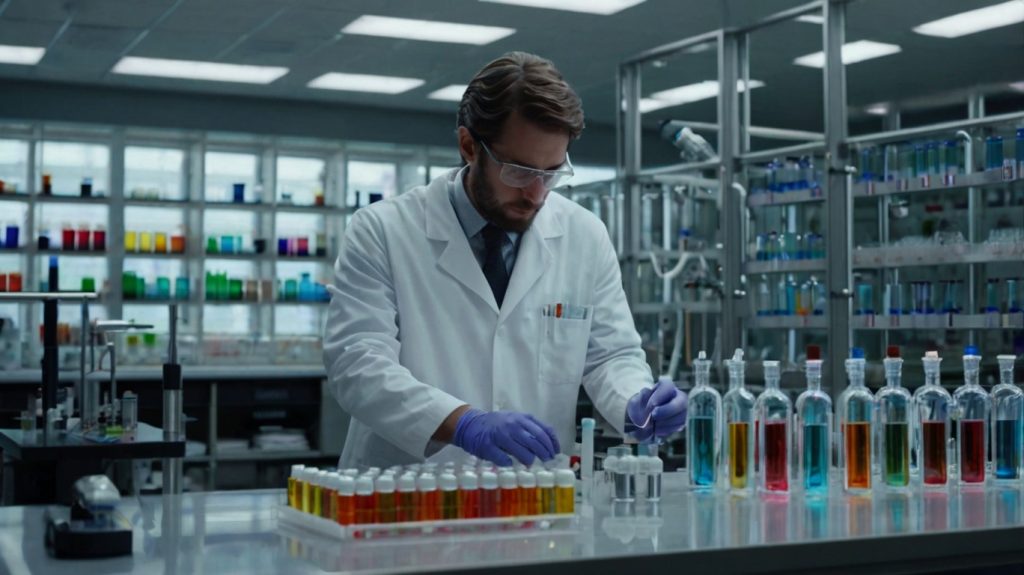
466	314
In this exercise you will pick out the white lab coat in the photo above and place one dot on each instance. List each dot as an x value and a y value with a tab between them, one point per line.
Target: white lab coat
413	330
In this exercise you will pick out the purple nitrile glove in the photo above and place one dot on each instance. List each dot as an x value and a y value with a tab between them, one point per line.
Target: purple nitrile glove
496	435
664	404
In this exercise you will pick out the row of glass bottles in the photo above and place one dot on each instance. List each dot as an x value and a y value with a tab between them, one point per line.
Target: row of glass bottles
788	246
934	158
786	297
888	427
790	174
920	300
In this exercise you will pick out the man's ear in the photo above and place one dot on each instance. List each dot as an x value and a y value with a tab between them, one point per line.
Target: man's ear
467	145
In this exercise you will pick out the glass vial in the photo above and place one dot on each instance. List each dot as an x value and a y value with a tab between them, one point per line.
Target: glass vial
774	412
1007	417
738	406
933	407
703	424
973	409
894	410
814	429
856	413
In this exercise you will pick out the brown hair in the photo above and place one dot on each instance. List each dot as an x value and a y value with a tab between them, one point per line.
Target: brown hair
521	82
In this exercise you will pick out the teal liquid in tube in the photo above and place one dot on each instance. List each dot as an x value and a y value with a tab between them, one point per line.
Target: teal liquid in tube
704	422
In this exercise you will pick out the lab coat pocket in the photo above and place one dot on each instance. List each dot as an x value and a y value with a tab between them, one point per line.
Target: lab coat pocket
563	349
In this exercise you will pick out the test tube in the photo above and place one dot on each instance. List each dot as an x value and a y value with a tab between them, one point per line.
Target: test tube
329	494
365	502
653	467
508	497
469	495
308	474
430	498
546	486
320	494
345	487
529	494
992	296
387	504
489	501
129	411
449	485
1012	298
294	483
625	478
565	491
407	497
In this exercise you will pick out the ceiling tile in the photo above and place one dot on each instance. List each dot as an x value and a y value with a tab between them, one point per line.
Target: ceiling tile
227	17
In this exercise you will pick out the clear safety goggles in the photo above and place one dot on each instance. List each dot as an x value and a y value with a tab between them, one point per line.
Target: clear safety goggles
516	176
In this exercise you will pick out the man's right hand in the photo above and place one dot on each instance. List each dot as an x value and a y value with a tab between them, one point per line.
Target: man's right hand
496	435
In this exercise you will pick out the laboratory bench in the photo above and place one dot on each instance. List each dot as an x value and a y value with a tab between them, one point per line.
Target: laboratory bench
238	532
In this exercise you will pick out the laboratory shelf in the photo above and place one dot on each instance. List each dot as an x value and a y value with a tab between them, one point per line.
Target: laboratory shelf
788	322
933	183
267	455
155	255
242	256
57	199
9	197
159	302
318	210
686	306
785	198
941	321
784	266
900	256
18	250
322	259
224	302
73	253
254	206
156	203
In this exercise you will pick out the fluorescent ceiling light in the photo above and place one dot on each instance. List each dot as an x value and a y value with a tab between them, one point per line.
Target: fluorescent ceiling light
426	30
365	83
853	52
1018	86
195	70
24	55
452	93
811	18
877	109
687	94
602	7
973	21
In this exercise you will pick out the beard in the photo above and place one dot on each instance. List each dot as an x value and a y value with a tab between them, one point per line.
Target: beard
490	207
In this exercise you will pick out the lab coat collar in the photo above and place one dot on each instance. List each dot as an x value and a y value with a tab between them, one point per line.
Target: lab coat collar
457	258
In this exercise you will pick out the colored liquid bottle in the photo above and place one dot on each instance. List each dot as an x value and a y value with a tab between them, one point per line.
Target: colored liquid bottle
345	496
775	412
973	409
565	491
317	494
814	429
933	407
738	406
387	500
365	503
449	485
546	486
328	495
894	414
529	494
703	423
430	497
295	487
508	495
469	495
407	497
489	495
1007	418
856	412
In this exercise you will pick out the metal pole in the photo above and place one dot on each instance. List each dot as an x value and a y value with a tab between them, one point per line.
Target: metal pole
83	336
890	122
629	102
172	467
730	209
976	111
838	204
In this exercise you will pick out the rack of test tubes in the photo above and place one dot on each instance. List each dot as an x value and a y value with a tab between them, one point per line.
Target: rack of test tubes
427	498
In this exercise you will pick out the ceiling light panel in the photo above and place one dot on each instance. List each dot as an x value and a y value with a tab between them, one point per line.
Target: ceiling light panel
365	83
602	7
687	94
853	52
426	30
451	93
811	18
197	70
974	21
22	55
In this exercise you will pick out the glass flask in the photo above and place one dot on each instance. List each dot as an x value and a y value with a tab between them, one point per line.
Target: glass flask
894	419
703	424
932	410
775	412
856	411
814	429
738	405
1007	416
973	408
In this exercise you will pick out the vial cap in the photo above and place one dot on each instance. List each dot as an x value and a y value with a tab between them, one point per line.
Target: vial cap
426	482
971	350
526	479
448	482
296	469
386	483
489	480
364	485
351	472
565	478
813	352
345	485
507	479
407	482
931	355
545	478
892	351
469	481
857	353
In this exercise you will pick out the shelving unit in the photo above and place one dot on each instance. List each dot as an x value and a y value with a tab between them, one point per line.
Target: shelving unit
177	181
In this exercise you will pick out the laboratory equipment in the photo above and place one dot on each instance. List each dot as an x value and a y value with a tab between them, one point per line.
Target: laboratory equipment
814	429
1012	293
364	500
345	499
856	408
1007	418
328	495
387	501
91	527
625	478
587	459
295	486
546	486
703	426
307	474
489	495
894	411
565	491
973	409
508	494
992	296
469	494
529	494
738	407
994	153
321	494
774	412
932	404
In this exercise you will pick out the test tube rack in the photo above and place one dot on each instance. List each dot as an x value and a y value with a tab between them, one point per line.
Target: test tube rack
512	525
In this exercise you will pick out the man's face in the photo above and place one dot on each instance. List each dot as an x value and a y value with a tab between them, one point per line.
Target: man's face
523	143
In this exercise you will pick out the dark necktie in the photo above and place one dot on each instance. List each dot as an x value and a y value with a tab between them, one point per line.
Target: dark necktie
494	264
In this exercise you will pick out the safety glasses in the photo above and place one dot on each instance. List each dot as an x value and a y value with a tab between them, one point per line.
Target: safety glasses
516	176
